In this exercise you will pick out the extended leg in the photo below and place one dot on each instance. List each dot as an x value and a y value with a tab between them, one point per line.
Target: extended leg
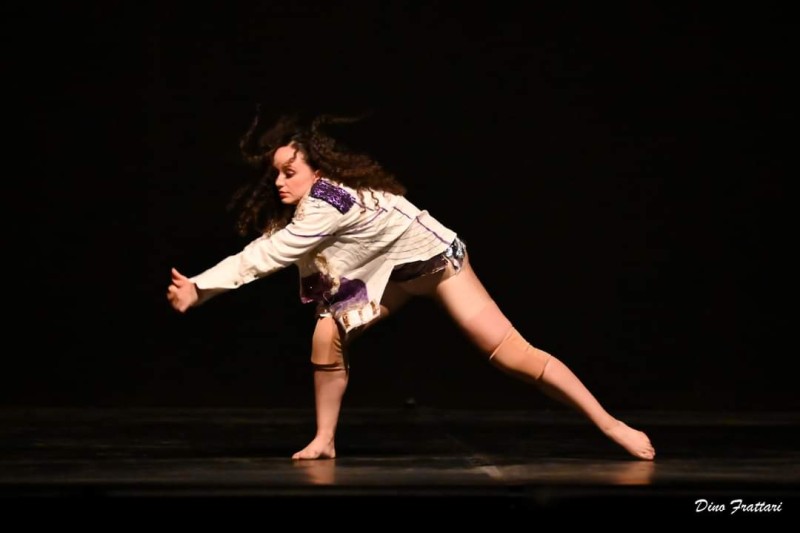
473	309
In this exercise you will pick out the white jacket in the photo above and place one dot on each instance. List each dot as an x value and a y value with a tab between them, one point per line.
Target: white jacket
344	246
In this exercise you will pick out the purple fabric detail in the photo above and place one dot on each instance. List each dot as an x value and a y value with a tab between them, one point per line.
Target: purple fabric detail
310	236
421	224
317	288
401	212
351	293
429	229
336	196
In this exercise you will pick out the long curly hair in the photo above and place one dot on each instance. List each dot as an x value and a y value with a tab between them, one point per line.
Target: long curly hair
257	203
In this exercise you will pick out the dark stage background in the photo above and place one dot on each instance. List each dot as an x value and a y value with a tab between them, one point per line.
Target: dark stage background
619	175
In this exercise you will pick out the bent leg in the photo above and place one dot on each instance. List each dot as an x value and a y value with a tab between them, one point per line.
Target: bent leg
470	305
331	373
330	383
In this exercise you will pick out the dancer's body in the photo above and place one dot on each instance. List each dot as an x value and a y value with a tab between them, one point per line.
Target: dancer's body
363	250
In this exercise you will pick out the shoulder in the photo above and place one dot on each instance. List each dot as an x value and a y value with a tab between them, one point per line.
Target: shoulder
333	194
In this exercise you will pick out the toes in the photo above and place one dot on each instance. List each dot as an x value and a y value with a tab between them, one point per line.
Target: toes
312	454
647	454
303	455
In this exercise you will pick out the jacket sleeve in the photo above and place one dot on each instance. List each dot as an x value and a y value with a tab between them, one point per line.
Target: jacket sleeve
314	221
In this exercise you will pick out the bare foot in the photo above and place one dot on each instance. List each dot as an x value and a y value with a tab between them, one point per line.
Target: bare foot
635	441
318	448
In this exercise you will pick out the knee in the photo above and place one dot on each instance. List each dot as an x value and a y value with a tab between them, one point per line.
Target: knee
516	355
327	349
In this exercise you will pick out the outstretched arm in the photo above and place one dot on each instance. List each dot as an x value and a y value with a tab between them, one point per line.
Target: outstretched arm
182	292
261	257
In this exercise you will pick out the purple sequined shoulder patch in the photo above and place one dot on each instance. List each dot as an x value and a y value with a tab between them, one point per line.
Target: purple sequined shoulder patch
336	196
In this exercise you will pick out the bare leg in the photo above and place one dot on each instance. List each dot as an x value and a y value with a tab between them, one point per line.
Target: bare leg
473	309
329	388
560	382
331	375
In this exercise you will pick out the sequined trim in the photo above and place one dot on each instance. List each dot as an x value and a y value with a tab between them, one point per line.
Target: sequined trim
455	253
336	196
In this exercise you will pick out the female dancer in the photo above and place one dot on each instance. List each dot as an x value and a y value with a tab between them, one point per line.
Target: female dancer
363	249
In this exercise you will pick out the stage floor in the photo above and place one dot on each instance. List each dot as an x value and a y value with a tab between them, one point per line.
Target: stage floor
406	458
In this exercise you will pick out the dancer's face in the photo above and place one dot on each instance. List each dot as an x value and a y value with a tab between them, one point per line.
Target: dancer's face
295	177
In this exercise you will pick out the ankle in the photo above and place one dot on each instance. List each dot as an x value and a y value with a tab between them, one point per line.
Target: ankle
610	425
325	436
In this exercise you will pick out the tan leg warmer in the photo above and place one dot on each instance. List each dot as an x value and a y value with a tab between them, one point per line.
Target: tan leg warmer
517	356
327	352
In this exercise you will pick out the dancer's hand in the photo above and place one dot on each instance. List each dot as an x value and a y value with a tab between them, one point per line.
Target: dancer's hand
182	292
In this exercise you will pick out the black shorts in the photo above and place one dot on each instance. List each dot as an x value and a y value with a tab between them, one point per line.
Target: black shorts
454	255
